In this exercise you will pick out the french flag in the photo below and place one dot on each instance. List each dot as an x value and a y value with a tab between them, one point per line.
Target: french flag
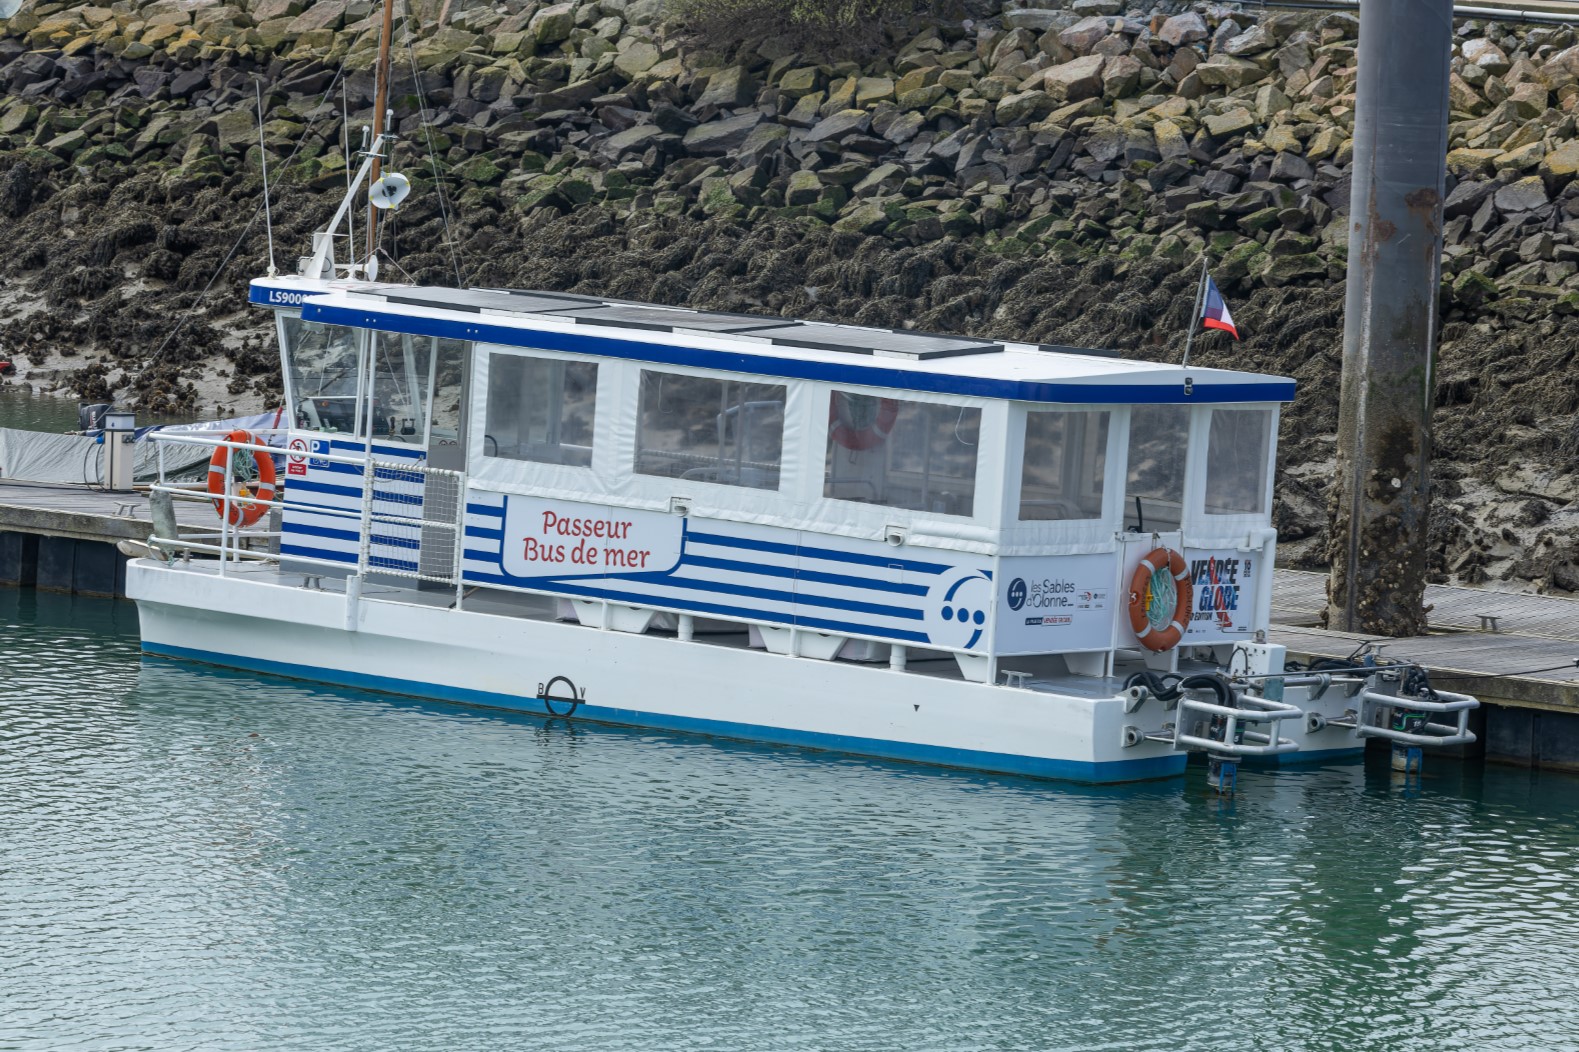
1214	312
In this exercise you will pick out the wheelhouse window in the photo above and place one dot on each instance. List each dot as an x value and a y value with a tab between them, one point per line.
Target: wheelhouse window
541	409
1158	438
902	454
1065	462
702	429
414	377
1237	452
321	364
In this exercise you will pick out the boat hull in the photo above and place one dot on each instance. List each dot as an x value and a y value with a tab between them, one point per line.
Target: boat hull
650	681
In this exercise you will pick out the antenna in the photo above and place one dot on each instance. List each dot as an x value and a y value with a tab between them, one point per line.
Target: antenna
263	158
390	189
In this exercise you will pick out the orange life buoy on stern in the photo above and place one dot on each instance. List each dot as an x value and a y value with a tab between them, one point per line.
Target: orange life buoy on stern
853	433
242	512
1155	635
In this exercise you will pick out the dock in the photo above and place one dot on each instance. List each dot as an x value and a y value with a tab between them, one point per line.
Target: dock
1515	651
63	538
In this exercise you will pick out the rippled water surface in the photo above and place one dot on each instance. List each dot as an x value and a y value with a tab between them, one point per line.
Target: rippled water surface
191	859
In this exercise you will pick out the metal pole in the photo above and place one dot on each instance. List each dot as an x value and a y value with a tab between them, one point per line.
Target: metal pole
1378	546
380	107
263	159
1195	313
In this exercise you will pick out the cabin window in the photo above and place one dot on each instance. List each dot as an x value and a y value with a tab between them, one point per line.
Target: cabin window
702	429
901	454
410	374
1065	462
1236	461
321	365
1158	439
541	409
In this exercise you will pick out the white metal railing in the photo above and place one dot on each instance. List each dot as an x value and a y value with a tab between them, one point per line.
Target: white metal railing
440	516
1233	725
446	526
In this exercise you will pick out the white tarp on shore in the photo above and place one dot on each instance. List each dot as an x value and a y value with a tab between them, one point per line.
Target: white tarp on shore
78	460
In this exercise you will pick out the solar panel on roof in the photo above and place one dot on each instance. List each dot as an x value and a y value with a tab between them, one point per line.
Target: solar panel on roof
1089	352
477	300
885	342
666	320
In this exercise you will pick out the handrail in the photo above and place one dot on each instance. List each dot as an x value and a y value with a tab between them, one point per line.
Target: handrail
1431	735
1254	710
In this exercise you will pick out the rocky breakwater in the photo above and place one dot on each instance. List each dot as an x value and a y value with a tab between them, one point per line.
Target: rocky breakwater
1027	173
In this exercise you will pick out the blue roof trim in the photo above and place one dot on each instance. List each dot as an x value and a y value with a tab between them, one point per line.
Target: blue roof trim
794	368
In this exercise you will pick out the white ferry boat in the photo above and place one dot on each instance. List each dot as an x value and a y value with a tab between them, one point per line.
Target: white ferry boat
1038	560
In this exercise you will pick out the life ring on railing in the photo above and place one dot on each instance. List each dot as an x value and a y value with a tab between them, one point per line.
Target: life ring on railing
248	511
857	434
1154	636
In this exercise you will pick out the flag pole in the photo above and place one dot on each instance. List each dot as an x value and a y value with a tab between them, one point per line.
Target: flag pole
1195	313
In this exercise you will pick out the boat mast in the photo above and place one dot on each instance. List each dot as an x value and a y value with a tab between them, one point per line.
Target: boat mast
380	108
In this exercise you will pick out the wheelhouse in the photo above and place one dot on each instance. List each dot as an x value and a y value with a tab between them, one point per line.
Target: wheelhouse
845	492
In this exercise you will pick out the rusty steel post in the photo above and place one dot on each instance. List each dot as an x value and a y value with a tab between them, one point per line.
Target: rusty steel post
1382	502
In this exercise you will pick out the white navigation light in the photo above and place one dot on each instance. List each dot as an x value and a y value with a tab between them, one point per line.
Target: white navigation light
390	189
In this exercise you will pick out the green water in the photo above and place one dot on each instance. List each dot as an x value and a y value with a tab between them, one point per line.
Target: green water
193	859
21	408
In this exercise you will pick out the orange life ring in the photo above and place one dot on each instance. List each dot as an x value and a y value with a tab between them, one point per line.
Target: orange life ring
242	512
875	433
1151	637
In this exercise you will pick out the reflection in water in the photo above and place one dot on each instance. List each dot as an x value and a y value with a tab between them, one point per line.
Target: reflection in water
195	859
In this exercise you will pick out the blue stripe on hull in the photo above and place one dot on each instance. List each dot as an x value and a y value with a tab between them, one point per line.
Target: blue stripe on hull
1004	763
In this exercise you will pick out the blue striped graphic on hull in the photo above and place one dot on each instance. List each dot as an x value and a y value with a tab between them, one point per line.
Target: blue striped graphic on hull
681	602
355	492
770	570
809	552
354	536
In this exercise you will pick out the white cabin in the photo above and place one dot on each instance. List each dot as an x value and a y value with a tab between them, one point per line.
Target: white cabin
847	493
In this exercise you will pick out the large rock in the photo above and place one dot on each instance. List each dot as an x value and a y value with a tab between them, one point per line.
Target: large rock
1286	270
636	59
324	14
1522	195
1235	121
442	47
631	140
1291	167
729	88
1024	107
1084	34
263	10
721	137
1171	142
804	189
1466	197
1120	76
1252	41
1187	28
1486	55
1076	80
552	24
1558	168
1226	71
1037	20
839	125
